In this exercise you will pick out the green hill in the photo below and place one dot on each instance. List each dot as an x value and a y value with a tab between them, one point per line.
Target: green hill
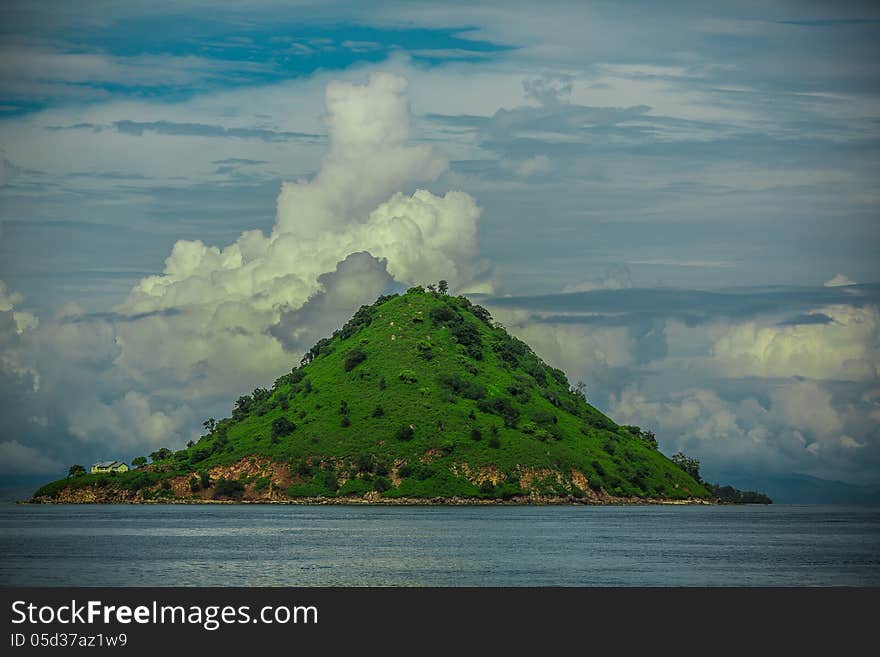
420	395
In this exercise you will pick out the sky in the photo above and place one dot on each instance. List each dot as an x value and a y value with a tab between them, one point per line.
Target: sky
676	203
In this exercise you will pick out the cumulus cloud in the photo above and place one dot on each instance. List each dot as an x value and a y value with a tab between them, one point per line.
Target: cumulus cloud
847	347
14	325
8	300
752	392
220	320
798	426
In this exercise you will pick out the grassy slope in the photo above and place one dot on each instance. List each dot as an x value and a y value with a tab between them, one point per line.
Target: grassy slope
397	376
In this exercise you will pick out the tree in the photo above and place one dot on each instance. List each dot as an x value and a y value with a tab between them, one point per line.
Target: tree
688	464
139	461
160	454
443	287
580	389
210	424
76	470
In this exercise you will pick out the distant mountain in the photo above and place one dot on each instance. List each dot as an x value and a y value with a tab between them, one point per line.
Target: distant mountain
804	489
419	396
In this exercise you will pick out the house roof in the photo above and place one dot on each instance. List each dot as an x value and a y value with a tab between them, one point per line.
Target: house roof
107	464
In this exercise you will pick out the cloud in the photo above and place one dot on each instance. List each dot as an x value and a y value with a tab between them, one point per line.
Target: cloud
138	128
8	299
220	320
845	348
616	277
528	167
16	458
838	281
800	426
692	306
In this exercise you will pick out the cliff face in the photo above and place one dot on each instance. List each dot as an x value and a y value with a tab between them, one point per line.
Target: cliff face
418	397
179	491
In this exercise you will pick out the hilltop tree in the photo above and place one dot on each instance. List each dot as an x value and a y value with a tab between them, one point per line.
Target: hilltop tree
443	287
139	461
76	470
210	424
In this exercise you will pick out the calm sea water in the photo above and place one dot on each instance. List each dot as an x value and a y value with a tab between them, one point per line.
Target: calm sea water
249	545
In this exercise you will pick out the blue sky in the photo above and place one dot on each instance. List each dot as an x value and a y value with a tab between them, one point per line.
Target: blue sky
616	151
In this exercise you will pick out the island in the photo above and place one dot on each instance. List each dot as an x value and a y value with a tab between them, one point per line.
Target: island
420	398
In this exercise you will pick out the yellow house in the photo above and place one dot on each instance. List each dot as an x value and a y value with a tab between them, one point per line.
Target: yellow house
109	466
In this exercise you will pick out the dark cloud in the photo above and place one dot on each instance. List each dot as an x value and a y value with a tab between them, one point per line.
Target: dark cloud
626	306
356	279
808	318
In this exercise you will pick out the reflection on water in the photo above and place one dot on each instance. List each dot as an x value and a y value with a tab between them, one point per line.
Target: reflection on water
251	545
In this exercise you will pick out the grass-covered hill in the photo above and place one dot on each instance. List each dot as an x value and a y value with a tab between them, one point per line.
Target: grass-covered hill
420	395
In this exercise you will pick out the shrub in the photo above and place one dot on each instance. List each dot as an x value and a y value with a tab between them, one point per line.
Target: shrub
328	480
303	468
560	377
354	358
407	376
378	411
364	462
405	432
462	387
404	471
345	422
467	335
443	314
228	488
688	464
425	351
161	454
194	484
281	426
381	484
204	479
535	370
494	442
502	407
487	488
476	434
544	418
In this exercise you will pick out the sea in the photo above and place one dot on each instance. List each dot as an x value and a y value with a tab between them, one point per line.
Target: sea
292	545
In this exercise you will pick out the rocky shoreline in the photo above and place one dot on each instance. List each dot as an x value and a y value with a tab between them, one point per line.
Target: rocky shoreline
83	497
